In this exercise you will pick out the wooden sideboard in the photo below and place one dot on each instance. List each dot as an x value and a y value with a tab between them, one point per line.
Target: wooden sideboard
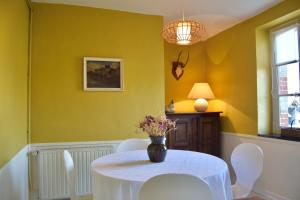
196	132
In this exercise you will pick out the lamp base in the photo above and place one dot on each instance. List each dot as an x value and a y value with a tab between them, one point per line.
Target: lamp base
200	105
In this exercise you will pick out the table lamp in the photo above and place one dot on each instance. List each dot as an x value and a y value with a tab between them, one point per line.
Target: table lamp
201	92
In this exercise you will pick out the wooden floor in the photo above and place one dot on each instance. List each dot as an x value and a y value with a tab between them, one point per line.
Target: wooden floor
253	198
250	198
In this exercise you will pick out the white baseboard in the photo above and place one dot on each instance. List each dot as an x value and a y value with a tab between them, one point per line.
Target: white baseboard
14	177
268	195
281	178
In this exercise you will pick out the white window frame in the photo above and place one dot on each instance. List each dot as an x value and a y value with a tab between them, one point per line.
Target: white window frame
275	96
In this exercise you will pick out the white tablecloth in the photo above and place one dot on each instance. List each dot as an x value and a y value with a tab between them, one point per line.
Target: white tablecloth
120	176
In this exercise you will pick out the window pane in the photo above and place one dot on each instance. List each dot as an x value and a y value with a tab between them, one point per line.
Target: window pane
286	46
289	107
288	79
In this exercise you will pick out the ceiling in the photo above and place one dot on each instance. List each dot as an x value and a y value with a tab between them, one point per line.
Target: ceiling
216	15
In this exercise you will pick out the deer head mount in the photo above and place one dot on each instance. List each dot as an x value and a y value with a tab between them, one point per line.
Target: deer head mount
177	66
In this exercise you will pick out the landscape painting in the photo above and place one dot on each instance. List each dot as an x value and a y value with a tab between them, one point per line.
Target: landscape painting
103	74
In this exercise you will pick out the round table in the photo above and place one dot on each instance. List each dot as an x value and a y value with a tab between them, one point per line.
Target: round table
120	176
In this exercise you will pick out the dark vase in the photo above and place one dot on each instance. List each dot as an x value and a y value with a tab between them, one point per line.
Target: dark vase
157	150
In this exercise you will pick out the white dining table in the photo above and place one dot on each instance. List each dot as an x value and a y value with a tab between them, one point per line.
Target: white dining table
120	176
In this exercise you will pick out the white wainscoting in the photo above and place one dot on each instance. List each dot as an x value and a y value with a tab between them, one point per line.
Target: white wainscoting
281	175
14	177
280	179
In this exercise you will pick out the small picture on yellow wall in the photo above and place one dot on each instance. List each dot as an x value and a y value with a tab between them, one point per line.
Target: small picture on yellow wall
102	74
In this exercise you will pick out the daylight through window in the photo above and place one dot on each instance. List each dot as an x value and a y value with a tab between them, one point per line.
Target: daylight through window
285	92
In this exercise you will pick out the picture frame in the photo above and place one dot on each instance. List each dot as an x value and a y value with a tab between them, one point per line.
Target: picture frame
102	74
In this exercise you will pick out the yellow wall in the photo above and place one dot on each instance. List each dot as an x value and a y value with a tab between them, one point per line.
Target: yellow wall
236	65
14	23
231	68
264	81
62	36
194	72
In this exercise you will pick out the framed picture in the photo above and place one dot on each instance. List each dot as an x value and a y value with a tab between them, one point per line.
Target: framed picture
102	74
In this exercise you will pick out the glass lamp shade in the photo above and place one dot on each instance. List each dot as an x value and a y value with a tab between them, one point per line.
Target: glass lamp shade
184	32
201	92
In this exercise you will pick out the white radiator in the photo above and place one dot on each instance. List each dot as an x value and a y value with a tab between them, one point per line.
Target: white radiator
52	181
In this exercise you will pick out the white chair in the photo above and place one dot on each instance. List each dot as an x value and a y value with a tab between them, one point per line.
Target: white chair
70	170
247	162
132	144
175	187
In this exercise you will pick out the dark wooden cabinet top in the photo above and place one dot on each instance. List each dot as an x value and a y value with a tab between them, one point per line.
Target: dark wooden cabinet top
195	113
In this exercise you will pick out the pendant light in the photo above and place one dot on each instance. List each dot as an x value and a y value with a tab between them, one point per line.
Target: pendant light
183	32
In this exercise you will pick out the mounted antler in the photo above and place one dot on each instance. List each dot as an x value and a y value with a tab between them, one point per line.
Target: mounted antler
177	68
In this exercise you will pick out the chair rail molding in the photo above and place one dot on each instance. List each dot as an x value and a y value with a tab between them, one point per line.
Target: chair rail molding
280	179
63	145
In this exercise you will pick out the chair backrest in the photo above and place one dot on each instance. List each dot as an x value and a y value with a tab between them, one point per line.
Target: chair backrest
175	187
247	162
70	171
132	144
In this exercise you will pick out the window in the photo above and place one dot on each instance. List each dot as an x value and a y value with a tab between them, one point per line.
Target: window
285	77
